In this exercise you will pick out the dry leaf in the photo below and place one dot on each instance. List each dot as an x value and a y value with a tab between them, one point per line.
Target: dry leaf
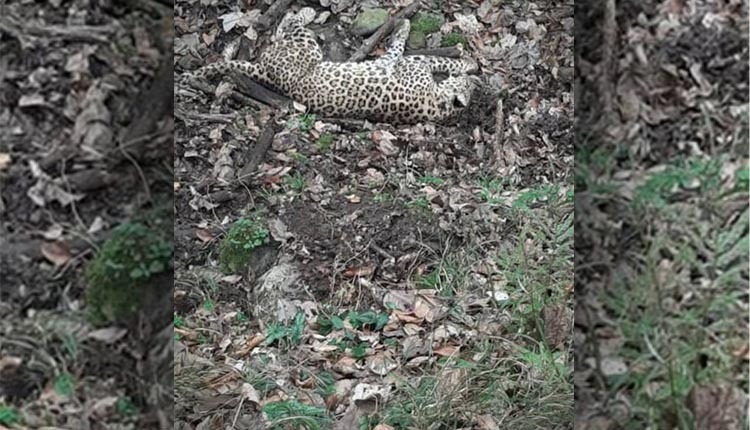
447	350
56	252
381	364
4	160
717	406
558	320
108	335
204	235
486	422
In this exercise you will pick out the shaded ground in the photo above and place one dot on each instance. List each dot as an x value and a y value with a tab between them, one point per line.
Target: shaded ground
413	277
70	73
661	215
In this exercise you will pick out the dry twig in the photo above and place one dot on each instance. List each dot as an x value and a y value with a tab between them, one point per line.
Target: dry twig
383	31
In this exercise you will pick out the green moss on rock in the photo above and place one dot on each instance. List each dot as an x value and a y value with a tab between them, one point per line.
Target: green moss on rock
245	236
117	277
427	23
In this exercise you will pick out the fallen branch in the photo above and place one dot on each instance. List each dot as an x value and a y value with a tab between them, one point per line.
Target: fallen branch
73	33
261	93
256	153
234	95
499	133
383	31
449	51
606	66
215	117
258	94
347	124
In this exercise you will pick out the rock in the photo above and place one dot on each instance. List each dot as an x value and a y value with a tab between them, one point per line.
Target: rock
368	21
416	40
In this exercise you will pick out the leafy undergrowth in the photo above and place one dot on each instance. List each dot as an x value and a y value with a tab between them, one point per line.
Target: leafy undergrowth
662	240
414	277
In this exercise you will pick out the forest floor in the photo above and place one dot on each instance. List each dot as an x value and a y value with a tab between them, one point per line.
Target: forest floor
400	277
661	242
70	72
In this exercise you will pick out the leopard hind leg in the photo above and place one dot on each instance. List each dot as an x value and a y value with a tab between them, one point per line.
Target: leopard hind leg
450	66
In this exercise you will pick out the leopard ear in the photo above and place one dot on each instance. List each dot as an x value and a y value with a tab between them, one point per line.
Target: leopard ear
460	101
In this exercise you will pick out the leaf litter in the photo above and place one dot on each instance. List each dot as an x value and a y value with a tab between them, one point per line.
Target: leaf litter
419	276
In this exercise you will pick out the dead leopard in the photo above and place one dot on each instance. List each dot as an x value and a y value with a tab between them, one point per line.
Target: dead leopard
393	88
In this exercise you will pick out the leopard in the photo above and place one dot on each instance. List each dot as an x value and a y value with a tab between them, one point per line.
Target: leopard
393	88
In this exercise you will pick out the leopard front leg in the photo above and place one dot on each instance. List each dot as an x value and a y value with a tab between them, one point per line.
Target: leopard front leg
395	49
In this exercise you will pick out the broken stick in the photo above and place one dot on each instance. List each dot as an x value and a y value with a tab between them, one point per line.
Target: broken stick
383	31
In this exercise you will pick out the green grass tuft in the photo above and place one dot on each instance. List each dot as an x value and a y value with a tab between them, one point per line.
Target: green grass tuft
8	415
291	414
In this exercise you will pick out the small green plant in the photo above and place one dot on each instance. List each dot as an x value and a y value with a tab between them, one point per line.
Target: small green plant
328	324
490	190
298	157
126	407
453	39
241	317
325	142
659	186
208	306
742	179
295	181
260	382
117	275
543	193
369	319
286	335
8	415
360	351
72	345
297	415
245	236
430	281
64	384
420	203
427	23
304	122
325	384
293	414
179	322
382	197
431	180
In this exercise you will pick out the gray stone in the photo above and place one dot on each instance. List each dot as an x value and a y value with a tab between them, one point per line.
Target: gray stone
368	21
416	40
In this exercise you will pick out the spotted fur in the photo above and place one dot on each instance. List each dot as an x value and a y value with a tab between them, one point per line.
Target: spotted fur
392	88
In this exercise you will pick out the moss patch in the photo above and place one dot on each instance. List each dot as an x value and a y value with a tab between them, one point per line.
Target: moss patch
427	23
116	277
452	39
238	245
